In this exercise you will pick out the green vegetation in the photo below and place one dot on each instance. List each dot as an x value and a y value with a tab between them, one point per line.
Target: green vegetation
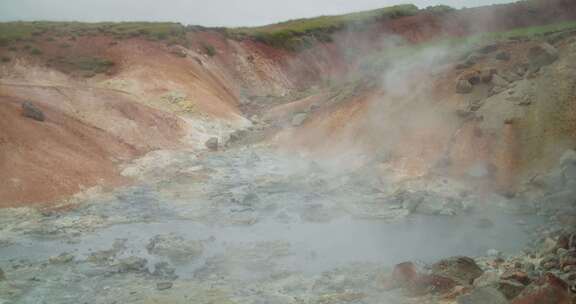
209	50
35	51
90	65
5	59
24	31
295	34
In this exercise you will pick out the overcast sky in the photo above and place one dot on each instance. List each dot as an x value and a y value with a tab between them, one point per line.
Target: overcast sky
201	12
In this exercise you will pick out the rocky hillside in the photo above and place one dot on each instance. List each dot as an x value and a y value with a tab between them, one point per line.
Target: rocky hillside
480	93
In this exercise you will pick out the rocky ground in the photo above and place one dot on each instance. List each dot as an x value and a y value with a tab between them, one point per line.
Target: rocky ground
255	225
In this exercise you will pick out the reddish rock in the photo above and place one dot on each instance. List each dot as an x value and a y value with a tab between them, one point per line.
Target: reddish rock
460	269
430	283
549	289
517	276
404	274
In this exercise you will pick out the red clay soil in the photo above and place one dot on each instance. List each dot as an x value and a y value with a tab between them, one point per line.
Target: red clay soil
46	161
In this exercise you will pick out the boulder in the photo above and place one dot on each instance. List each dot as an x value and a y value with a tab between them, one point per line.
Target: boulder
132	264
463	86
61	259
212	144
503	56
549	289
542	55
463	270
164	285
164	270
483	295
510	289
31	111
299	119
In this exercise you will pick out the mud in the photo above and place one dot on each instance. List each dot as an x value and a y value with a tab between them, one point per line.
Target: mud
238	226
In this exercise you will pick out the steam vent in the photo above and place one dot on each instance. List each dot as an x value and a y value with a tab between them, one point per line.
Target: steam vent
400	155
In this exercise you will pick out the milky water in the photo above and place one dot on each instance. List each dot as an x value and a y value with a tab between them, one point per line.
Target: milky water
300	221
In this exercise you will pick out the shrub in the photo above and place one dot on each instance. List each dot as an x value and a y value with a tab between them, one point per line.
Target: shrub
36	51
209	50
5	59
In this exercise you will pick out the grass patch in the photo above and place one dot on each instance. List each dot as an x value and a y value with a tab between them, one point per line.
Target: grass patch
295	34
90	65
22	31
36	51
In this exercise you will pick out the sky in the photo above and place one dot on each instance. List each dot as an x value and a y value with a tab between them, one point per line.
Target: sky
200	12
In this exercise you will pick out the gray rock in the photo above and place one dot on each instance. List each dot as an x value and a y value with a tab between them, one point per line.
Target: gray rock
510	289
212	144
463	270
542	55
497	80
464	86
568	158
61	259
31	111
299	119
488	278
165	271
484	295
132	264
164	285
504	56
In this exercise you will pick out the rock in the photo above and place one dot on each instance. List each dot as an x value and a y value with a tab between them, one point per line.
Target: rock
164	285
436	205
409	276
61	259
568	259
2	275
31	111
510	289
238	135
463	270
549	289
165	271
487	74
568	165
497	80
463	86
562	200
299	119
488	278
403	275
212	144
132	264
550	262
244	196
484	295
489	48
176	248
503	56
542	55
568	158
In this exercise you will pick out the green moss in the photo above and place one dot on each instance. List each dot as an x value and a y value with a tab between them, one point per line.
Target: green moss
295	34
